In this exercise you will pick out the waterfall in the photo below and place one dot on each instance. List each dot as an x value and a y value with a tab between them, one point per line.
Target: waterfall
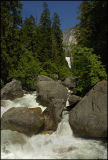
62	144
68	61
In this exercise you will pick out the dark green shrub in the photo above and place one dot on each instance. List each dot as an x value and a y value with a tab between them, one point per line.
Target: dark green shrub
88	67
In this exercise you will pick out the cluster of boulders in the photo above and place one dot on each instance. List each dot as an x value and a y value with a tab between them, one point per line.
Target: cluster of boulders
51	94
87	115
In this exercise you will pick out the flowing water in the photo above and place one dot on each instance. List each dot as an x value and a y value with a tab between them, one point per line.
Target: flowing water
68	61
62	144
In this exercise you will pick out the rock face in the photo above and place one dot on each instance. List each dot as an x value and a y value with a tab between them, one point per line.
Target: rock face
52	95
44	78
70	82
53	113
12	90
25	120
89	117
69	36
73	99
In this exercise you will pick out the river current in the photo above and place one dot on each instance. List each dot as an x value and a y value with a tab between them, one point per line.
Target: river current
62	144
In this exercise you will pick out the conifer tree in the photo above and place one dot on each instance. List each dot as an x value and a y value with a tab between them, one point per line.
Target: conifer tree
93	27
44	51
57	38
10	21
29	34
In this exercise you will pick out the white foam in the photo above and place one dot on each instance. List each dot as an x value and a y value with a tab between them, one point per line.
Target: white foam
68	61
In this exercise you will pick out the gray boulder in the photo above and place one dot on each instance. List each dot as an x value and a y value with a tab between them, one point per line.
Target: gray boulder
48	90
73	99
44	78
69	82
53	114
89	117
52	95
25	120
12	90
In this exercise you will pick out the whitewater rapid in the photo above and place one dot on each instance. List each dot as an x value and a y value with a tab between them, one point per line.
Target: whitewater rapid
62	144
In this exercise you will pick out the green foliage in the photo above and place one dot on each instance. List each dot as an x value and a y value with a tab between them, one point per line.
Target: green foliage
10	44
64	72
27	70
93	28
1	83
88	68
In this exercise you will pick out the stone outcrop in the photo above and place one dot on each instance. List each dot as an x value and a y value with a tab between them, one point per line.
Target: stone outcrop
25	120
69	36
12	90
73	99
52	95
89	117
44	78
69	82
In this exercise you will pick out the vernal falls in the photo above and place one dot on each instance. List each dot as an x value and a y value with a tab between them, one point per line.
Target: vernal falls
62	144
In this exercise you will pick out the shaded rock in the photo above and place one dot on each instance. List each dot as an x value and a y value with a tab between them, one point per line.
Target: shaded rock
89	117
49	121
46	132
44	78
22	119
12	90
53	114
38	110
52	95
73	99
3	103
69	82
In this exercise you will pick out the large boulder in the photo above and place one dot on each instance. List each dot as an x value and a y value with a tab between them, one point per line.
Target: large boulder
69	82
89	117
12	90
54	96
25	120
44	78
48	90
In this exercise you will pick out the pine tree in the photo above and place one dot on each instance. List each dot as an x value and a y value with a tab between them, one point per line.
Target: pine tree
57	38
29	35
44	51
10	21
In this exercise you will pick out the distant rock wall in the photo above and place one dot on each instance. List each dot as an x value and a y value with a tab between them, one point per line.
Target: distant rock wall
69	36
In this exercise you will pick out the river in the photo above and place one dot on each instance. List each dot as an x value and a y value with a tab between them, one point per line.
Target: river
62	144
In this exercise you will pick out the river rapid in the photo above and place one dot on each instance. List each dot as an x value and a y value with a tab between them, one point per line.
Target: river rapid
62	144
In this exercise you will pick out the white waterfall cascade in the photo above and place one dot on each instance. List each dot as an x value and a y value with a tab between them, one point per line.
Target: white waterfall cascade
68	61
62	144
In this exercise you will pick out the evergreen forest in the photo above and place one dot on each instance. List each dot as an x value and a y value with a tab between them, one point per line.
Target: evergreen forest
29	48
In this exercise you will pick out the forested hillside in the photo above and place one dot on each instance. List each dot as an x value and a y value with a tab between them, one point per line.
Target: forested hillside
29	48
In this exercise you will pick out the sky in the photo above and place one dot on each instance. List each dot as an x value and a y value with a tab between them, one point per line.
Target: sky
67	11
